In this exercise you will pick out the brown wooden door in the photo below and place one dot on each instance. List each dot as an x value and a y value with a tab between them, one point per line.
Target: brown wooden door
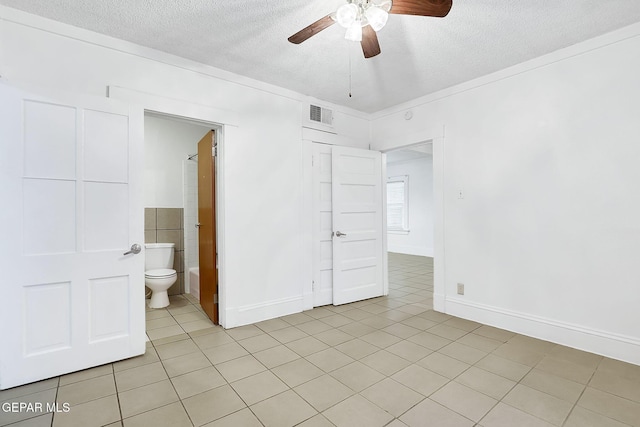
207	229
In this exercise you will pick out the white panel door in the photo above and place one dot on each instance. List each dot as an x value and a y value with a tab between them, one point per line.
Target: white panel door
322	225
358	225
71	191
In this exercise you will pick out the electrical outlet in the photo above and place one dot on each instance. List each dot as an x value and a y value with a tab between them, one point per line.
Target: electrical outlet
460	288
460	194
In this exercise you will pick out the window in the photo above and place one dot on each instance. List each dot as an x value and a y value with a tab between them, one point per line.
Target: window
398	203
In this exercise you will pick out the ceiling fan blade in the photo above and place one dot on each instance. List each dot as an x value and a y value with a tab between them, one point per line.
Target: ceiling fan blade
437	8
312	29
370	46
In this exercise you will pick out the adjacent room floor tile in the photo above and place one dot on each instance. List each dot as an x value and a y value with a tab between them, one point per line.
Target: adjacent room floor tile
95	413
357	376
239	368
357	411
539	404
323	392
172	415
242	418
463	400
196	382
392	396
259	387
617	408
503	415
87	390
486	382
297	372
146	398
139	376
212	405
419	379
283	410
430	410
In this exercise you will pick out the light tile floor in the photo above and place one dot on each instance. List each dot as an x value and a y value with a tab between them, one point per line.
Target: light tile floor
388	361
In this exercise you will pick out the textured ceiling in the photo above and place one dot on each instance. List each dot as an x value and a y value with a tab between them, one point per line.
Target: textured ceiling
419	55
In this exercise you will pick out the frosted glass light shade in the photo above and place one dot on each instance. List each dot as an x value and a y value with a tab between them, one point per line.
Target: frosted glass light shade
354	32
377	17
347	14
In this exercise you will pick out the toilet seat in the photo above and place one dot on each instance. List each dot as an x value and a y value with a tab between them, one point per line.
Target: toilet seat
159	273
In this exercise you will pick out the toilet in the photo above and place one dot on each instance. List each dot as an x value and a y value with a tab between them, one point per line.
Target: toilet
159	275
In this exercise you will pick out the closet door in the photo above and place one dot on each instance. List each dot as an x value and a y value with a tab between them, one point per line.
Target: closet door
71	173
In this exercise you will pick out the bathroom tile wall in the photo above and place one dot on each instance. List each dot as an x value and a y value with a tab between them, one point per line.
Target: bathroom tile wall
166	225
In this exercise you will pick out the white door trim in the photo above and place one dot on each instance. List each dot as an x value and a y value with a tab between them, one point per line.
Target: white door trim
225	122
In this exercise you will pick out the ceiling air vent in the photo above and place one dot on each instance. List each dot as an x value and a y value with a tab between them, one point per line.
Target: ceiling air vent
320	115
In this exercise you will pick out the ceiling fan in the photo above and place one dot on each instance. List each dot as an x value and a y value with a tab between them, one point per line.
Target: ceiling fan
363	18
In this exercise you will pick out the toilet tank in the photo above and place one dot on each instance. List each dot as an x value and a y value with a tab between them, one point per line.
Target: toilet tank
158	255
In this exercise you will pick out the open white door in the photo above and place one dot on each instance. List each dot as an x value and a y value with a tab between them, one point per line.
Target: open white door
358	214
71	186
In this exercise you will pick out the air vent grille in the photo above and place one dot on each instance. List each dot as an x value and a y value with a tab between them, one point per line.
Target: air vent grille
320	115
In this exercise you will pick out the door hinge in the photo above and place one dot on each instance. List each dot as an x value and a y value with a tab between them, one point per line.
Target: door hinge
313	285
312	157
215	298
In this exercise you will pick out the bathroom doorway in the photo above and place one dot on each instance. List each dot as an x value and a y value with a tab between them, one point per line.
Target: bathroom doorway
172	163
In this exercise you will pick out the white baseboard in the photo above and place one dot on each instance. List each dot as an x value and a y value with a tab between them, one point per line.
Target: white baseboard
254	313
410	250
607	344
438	302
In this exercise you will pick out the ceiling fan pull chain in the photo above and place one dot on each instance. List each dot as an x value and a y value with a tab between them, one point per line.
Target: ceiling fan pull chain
349	53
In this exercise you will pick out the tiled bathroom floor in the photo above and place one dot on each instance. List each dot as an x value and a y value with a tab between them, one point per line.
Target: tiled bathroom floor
388	361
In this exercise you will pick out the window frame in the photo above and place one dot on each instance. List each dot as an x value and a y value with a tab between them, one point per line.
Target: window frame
404	229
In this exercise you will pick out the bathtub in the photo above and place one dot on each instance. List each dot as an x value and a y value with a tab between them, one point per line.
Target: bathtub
194	282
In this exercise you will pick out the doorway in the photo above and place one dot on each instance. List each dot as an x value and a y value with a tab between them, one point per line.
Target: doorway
410	220
172	160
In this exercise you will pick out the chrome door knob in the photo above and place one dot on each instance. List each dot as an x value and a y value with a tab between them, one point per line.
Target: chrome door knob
135	249
340	234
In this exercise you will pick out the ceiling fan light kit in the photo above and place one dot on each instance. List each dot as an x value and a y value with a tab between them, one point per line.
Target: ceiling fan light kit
363	18
362	13
354	32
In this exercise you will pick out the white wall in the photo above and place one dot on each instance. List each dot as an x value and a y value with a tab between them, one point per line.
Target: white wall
191	249
419	240
167	143
546	238
263	155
